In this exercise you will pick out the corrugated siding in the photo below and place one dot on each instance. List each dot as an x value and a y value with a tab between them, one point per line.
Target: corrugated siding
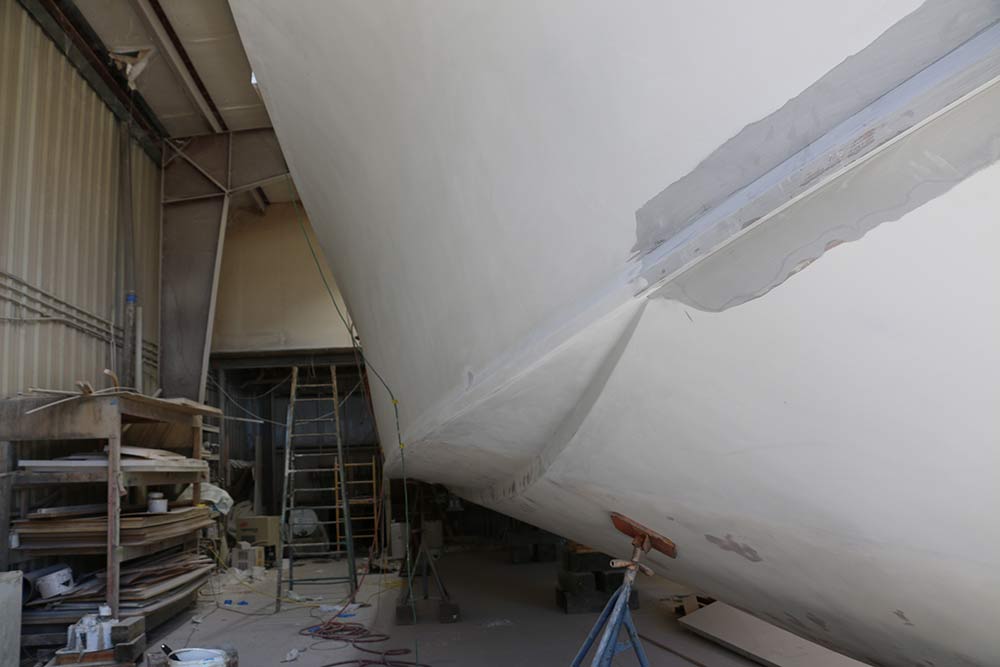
146	209
58	217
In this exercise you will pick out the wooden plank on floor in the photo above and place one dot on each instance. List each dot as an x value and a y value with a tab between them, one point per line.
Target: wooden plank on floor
760	641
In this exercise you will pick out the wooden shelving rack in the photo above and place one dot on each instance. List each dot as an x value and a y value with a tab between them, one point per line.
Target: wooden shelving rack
97	417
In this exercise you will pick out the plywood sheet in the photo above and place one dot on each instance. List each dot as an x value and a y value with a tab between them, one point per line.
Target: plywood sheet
760	641
146	580
149	453
136	529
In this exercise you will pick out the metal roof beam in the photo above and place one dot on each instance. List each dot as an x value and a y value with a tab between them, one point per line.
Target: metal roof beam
179	62
127	106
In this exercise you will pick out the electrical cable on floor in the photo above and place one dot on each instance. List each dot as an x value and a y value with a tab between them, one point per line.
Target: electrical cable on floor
358	352
290	601
352	634
358	636
348	634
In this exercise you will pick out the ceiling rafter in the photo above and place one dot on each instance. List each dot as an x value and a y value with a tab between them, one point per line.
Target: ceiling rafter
170	44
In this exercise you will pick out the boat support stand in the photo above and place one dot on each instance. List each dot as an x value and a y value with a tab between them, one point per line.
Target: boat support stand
616	614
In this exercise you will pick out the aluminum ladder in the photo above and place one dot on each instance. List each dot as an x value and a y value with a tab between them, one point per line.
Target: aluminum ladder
314	481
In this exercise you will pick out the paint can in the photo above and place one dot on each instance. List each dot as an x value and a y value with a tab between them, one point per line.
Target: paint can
157	503
197	657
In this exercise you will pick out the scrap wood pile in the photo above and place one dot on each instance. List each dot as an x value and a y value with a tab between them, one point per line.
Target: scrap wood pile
146	585
43	532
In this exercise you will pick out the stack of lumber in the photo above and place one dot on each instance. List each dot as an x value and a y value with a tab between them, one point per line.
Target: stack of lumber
133	458
146	585
143	580
137	529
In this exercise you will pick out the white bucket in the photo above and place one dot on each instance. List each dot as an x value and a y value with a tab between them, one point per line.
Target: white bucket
197	657
157	503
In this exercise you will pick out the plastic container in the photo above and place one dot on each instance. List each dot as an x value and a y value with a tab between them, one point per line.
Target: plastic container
197	657
157	503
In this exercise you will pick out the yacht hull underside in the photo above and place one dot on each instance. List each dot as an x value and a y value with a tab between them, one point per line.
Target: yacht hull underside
786	362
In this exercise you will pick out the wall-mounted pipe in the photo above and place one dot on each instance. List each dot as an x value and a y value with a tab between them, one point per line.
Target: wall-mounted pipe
138	349
52	309
127	369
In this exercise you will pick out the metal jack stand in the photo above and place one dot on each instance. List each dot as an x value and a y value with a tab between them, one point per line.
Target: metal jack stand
415	609
616	613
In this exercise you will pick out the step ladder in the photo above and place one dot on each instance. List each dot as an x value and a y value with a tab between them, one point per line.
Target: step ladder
314	481
361	485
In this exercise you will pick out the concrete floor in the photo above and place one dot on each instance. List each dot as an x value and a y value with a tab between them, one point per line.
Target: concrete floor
509	617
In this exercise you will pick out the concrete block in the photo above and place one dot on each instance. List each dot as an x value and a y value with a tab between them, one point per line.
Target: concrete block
533	537
521	539
589	602
581	603
448	612
546	552
609	580
577	582
427	611
585	561
521	553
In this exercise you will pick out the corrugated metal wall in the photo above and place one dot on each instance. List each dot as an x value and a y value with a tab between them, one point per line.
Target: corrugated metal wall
58	218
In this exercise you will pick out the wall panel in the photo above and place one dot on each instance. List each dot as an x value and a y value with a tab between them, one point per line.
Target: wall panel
271	295
59	262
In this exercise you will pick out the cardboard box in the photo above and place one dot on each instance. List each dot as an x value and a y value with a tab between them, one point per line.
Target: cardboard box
262	530
246	558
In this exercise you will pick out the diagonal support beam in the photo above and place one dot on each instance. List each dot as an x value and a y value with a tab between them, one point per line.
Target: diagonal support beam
201	176
192	244
204	172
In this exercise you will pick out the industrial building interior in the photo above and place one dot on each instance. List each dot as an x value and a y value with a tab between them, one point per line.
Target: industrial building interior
209	450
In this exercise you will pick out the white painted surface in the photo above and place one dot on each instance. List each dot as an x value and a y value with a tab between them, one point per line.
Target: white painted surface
271	295
840	427
59	184
825	451
475	151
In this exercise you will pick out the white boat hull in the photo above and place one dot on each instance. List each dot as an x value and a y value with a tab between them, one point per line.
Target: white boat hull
806	406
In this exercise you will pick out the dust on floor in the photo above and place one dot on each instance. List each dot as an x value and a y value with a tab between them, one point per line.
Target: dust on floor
508	617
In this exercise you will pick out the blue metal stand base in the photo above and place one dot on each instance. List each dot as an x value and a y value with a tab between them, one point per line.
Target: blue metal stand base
615	615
